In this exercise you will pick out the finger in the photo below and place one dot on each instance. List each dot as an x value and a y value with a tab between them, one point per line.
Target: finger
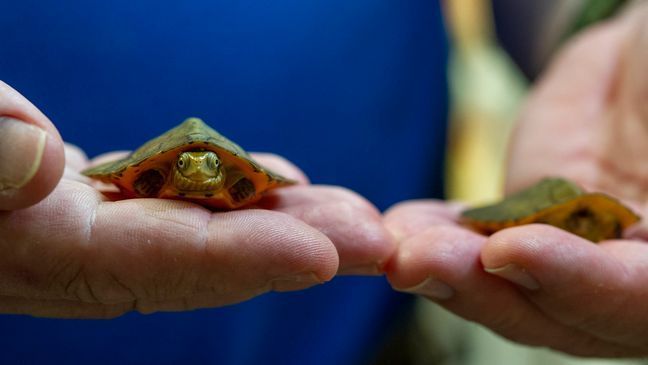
72	174
599	289
75	161
350	221
442	263
153	250
64	308
31	152
407	219
75	158
281	166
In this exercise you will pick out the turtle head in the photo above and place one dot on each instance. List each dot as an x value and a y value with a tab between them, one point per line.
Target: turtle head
198	172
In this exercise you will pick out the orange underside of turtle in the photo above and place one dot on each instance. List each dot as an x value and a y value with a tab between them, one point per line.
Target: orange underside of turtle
191	162
557	202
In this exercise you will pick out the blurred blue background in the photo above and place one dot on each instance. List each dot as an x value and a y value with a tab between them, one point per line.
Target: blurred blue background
354	92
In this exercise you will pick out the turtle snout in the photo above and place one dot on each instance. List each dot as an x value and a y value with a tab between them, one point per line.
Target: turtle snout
206	170
199	165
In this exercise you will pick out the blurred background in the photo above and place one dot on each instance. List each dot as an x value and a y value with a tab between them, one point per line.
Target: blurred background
357	93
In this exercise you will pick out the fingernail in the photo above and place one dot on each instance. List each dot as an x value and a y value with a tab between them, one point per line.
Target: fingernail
432	288
515	274
21	151
295	282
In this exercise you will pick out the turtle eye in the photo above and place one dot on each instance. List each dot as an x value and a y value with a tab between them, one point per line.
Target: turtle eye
181	162
212	161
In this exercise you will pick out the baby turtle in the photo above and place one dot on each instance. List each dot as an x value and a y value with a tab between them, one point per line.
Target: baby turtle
560	203
190	162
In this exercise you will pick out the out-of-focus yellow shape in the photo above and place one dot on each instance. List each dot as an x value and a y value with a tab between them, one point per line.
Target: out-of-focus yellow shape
485	90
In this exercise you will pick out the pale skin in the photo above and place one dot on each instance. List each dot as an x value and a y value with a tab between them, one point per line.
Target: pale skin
66	251
587	120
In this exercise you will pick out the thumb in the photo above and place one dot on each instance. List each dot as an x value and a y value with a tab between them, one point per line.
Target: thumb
32	155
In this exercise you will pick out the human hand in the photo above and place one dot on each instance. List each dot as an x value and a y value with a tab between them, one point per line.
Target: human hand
71	253
587	120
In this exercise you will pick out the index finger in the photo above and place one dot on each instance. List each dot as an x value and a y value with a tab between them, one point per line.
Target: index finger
281	166
412	217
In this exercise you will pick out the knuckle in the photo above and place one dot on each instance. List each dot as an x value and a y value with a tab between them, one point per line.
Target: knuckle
65	280
76	282
75	285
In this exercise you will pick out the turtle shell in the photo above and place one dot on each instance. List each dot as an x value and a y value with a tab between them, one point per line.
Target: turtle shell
560	203
154	160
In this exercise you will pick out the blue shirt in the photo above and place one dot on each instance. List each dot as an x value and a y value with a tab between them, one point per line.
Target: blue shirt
354	92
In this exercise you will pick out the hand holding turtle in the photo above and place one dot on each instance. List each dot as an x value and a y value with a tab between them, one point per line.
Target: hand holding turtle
69	252
537	284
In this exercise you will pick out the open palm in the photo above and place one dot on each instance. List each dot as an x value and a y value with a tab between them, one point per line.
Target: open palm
587	120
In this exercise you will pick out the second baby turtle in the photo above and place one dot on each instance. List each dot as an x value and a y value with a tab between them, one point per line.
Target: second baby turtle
560	203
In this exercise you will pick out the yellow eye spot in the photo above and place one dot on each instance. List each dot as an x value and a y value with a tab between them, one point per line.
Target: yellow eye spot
181	163
212	160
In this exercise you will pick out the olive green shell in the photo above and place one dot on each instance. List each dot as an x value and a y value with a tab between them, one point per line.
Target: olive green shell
192	134
558	202
192	131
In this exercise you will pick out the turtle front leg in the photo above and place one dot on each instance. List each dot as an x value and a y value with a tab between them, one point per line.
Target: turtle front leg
239	187
149	183
241	191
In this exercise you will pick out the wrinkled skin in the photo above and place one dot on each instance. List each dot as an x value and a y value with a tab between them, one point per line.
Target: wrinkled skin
587	120
66	251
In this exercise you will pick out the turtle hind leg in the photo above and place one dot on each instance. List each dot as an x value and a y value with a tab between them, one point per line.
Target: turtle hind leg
148	184
242	190
592	225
